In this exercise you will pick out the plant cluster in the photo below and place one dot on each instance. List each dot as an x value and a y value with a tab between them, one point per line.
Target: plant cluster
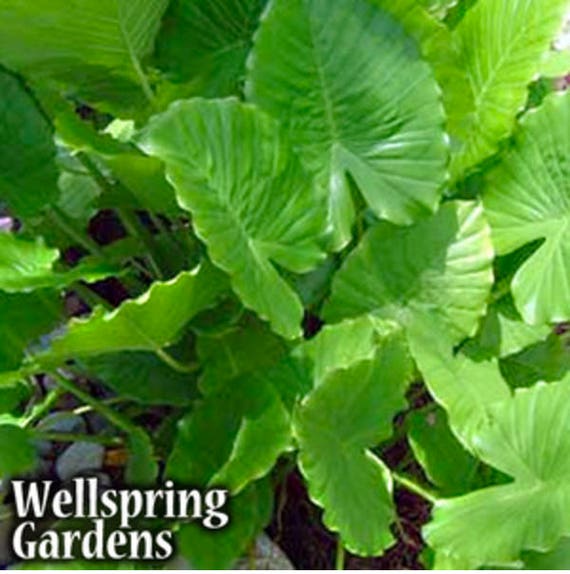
254	224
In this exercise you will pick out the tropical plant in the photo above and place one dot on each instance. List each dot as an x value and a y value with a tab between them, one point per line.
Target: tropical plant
261	223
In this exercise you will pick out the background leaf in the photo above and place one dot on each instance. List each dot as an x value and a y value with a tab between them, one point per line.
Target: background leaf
232	437
203	46
95	48
24	317
447	464
244	349
250	512
141	469
28	174
143	377
27	265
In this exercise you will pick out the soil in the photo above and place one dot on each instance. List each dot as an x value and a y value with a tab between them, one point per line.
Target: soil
297	528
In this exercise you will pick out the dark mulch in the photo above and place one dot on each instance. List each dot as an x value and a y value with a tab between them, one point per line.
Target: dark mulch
297	528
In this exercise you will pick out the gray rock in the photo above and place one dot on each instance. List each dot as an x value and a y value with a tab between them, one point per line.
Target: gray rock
58	422
62	422
266	556
80	457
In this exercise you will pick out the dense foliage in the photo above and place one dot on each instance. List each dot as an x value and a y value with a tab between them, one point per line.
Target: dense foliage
313	204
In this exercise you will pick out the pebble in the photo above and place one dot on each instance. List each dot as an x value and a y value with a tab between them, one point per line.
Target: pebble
58	422
266	556
80	457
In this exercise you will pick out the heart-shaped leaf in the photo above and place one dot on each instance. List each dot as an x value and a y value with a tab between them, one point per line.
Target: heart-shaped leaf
233	437
336	425
528	198
501	44
527	437
250	200
440	267
356	97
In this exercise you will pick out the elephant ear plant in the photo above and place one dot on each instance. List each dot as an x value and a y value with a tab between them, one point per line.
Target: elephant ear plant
239	231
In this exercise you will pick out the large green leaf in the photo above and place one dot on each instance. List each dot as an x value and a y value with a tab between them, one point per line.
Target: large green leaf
143	377
528	198
203	45
28	265
501	43
340	346
437	46
244	349
250	200
96	47
348	413
149	323
17	452
446	463
28	174
233	437
527	437
353	92
439	268
465	388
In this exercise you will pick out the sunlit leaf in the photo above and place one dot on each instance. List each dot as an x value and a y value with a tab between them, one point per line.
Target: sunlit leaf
336	425
528	198
527	438
356	97
251	202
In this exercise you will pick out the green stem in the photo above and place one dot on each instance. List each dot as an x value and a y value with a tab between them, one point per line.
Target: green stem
175	364
109	402
91	297
69	227
72	437
111	415
414	487
81	238
340	555
130	221
44	407
136	229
